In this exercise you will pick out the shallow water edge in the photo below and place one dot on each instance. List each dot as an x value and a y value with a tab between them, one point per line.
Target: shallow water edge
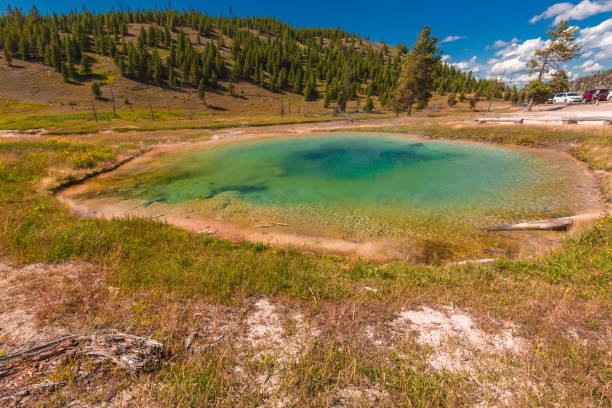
274	228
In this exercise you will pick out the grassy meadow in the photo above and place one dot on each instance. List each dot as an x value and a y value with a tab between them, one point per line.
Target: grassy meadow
152	279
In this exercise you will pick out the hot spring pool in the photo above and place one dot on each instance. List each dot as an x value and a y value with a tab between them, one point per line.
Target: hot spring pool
395	194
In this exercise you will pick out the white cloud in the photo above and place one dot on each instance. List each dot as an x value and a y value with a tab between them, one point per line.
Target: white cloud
569	11
445	58
513	58
596	43
552	11
595	67
452	38
501	44
591	66
598	38
470	65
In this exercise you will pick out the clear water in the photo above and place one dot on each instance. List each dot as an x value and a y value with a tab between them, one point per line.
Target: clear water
356	186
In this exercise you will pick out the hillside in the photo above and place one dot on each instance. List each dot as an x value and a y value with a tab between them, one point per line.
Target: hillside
599	80
184	60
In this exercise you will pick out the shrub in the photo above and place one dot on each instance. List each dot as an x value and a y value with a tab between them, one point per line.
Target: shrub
473	101
538	91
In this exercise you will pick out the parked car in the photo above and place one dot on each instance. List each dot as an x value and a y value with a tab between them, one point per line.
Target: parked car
601	95
587	96
550	98
567	97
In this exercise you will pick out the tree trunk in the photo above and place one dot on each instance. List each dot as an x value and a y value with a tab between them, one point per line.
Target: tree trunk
410	106
494	92
530	104
531	98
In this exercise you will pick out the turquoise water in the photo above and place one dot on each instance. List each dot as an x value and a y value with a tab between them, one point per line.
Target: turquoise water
371	170
358	186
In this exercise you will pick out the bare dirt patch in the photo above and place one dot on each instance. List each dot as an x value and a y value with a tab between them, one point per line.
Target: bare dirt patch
352	396
436	328
458	345
42	303
25	300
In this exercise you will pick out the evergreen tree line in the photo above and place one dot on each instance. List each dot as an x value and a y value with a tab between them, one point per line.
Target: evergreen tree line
185	48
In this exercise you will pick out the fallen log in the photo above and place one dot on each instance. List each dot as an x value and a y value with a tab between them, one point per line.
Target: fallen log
132	353
553	224
500	120
475	261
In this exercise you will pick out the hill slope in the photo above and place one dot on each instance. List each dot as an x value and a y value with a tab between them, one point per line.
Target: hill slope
168	55
599	80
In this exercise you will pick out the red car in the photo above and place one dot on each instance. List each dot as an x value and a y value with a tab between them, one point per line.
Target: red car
588	95
601	95
593	95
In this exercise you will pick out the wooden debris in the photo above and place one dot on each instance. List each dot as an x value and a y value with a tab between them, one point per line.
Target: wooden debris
554	224
499	120
132	353
190	339
272	224
15	399
476	261
605	120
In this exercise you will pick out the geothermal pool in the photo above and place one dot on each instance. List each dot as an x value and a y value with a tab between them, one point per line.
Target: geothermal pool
396	196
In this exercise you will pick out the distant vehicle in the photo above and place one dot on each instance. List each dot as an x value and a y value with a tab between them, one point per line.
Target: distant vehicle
601	95
567	97
588	95
550	98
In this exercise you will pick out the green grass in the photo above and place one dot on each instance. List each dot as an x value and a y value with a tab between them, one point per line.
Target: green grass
128	120
163	273
11	106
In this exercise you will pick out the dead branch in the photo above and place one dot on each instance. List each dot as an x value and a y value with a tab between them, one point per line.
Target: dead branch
132	353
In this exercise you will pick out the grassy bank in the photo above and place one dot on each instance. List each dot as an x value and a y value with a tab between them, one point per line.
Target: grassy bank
153	279
26	117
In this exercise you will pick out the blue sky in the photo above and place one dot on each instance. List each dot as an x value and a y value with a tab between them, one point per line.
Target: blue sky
479	35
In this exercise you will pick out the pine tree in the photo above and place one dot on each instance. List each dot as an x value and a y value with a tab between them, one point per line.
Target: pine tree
560	48
416	80
473	101
202	91
514	98
297	82
369	105
327	99
64	72
96	92
24	48
8	57
559	82
310	92
342	100
230	87
86	65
